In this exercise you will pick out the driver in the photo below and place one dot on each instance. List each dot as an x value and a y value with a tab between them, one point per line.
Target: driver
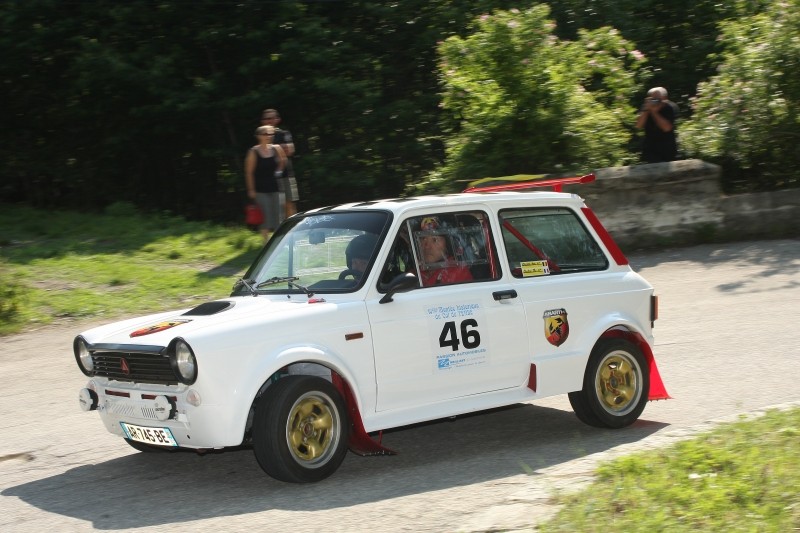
434	251
358	253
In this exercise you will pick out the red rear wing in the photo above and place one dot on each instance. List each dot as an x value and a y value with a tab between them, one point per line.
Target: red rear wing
555	183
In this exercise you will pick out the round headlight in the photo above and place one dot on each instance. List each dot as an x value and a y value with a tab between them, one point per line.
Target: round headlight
82	356
185	363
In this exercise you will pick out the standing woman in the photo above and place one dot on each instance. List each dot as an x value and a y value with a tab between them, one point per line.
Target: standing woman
263	166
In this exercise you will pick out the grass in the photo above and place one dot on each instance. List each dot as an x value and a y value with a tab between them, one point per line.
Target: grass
69	265
740	477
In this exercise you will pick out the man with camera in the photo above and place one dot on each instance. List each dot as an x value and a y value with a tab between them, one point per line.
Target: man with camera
657	117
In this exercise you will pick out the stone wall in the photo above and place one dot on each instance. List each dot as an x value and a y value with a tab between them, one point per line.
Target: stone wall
681	203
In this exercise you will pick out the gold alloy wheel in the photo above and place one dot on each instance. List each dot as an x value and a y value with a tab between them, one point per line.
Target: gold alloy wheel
313	429
618	385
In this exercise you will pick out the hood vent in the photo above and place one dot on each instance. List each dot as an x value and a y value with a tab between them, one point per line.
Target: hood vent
209	308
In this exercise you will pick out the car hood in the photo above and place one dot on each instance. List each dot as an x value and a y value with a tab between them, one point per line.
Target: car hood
159	329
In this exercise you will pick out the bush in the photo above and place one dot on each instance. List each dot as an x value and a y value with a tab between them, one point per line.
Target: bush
10	297
745	118
121	209
521	101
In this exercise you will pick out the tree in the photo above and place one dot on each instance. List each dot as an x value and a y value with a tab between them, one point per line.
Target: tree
518	100
746	117
678	37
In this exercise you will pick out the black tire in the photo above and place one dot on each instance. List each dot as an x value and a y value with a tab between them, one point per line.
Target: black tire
616	385
146	448
582	410
300	429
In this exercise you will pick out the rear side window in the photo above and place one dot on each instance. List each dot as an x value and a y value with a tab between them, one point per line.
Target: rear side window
548	241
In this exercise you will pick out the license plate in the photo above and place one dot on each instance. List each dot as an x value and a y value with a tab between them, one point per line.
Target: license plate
154	436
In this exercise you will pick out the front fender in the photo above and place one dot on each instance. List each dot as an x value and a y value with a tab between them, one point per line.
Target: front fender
269	365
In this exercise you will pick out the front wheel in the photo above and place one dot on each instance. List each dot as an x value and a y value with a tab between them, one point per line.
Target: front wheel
616	385
300	429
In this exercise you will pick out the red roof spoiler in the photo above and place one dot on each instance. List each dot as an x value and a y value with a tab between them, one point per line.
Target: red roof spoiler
555	183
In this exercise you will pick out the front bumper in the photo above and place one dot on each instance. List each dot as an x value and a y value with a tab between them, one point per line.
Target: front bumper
193	423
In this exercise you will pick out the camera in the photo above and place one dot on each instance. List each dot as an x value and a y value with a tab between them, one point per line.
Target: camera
655	101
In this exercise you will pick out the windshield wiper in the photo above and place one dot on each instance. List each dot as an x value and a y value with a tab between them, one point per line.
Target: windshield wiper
247	283
289	280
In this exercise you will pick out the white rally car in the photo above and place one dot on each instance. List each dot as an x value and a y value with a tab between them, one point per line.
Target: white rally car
367	316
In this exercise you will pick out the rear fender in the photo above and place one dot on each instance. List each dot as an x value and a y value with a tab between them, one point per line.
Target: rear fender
657	389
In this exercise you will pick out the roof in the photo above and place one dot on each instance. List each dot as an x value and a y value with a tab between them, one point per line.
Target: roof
402	205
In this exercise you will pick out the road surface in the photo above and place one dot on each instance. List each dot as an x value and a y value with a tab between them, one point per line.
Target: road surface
726	343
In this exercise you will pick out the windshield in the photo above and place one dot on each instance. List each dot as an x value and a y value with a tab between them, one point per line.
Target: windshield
321	252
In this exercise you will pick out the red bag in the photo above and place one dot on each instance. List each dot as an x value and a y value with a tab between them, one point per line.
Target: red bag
253	215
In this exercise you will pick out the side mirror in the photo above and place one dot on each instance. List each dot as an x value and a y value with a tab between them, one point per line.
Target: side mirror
402	283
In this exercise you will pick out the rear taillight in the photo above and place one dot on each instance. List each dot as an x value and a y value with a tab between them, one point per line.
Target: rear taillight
653	310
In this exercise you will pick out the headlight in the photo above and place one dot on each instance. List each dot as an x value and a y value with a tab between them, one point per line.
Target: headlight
82	356
183	361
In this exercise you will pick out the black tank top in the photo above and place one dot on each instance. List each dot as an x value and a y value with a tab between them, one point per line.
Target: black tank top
265	172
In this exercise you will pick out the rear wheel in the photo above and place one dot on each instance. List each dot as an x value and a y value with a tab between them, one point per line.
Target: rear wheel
616	385
300	429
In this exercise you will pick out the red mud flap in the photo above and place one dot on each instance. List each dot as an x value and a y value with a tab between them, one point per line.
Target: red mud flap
360	443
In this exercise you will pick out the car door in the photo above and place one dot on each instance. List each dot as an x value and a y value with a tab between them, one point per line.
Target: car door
447	341
563	280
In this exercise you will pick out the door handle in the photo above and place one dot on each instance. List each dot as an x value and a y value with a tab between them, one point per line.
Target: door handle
504	295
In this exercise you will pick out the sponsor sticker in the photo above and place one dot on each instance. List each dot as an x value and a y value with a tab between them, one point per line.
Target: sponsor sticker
457	335
155	328
534	268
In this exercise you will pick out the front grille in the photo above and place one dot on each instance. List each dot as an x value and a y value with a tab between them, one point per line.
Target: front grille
142	367
130	409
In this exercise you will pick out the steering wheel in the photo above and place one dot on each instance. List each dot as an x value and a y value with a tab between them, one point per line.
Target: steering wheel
349	272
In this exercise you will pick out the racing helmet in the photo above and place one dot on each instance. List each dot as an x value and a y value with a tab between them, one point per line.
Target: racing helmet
361	247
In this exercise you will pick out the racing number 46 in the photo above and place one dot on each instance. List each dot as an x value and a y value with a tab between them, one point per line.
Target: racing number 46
470	337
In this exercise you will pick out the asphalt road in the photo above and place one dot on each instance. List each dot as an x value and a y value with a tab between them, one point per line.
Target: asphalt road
726	344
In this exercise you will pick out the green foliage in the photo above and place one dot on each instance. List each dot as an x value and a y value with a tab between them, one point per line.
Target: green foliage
11	300
522	101
740	477
154	104
678	38
746	116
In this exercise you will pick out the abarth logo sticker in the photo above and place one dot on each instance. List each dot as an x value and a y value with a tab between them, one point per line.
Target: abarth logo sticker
155	328
556	327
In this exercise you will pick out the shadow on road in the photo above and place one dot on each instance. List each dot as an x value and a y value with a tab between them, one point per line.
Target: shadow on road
146	489
774	256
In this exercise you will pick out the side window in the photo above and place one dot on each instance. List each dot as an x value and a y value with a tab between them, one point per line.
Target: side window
444	249
547	241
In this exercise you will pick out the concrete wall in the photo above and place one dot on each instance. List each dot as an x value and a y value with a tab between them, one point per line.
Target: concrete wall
682	203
